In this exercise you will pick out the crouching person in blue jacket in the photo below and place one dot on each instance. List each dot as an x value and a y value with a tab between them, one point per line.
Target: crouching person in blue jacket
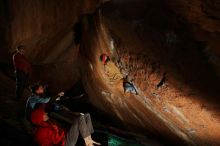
38	99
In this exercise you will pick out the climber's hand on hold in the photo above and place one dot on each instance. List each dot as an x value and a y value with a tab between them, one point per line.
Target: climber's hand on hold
61	94
58	98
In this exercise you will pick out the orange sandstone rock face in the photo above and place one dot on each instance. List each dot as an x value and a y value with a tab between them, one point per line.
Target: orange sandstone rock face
177	85
168	49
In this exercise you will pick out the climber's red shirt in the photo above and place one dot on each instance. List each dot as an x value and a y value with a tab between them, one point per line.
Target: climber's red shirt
21	63
47	134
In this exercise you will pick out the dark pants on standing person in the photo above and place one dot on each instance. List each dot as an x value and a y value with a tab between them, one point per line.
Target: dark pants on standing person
21	83
81	125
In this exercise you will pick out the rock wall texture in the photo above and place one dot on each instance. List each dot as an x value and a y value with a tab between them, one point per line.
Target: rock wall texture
163	49
46	28
169	50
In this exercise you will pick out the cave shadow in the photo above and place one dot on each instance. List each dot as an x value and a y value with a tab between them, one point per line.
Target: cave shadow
12	136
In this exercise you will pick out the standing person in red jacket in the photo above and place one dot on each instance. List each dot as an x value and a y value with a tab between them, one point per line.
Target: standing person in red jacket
22	70
47	133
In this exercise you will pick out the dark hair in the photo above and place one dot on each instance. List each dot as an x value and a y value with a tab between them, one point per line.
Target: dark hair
34	87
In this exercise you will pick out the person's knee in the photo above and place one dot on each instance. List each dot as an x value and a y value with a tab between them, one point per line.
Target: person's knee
87	115
80	118
83	117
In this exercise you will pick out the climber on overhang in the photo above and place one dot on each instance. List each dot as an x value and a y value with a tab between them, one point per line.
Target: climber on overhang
22	70
48	133
111	70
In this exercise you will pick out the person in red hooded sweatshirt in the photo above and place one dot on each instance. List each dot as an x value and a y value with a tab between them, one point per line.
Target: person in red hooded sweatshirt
22	70
47	133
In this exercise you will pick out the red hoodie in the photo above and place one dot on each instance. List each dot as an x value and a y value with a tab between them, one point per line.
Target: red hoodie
21	63
47	134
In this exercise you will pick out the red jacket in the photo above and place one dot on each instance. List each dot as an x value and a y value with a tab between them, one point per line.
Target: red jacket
47	134
21	63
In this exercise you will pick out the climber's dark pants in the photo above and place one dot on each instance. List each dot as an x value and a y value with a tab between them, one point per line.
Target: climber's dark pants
21	83
129	88
81	125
